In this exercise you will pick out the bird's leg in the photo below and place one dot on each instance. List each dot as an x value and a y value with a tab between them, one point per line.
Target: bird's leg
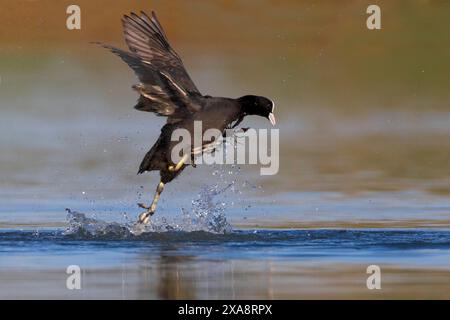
179	164
144	217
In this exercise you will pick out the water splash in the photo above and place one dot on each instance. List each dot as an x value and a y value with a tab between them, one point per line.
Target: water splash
207	213
82	226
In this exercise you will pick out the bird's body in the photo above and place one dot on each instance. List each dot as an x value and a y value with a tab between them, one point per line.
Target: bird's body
166	89
216	113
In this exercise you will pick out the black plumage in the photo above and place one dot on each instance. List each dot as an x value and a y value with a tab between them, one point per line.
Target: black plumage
166	89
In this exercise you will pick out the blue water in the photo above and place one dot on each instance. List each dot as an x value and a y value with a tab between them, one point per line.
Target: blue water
408	247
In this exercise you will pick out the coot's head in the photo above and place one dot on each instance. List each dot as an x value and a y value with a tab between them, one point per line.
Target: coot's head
258	106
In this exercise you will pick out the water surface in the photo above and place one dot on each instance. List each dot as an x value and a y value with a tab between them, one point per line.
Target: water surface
263	264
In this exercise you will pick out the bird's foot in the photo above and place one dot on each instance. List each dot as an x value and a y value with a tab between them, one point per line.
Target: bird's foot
144	217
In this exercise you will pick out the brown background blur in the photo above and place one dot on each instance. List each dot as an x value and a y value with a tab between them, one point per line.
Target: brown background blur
320	51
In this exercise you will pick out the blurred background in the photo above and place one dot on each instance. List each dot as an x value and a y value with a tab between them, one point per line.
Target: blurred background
364	115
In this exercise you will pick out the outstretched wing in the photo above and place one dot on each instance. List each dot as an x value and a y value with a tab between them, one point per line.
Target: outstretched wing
165	87
146	37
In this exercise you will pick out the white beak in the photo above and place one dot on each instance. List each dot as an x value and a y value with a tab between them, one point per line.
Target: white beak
272	119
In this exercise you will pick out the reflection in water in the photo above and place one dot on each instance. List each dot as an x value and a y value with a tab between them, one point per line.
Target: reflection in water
244	264
177	276
171	280
174	275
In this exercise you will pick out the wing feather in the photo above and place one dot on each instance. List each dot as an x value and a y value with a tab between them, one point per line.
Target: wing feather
145	36
165	87
159	92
